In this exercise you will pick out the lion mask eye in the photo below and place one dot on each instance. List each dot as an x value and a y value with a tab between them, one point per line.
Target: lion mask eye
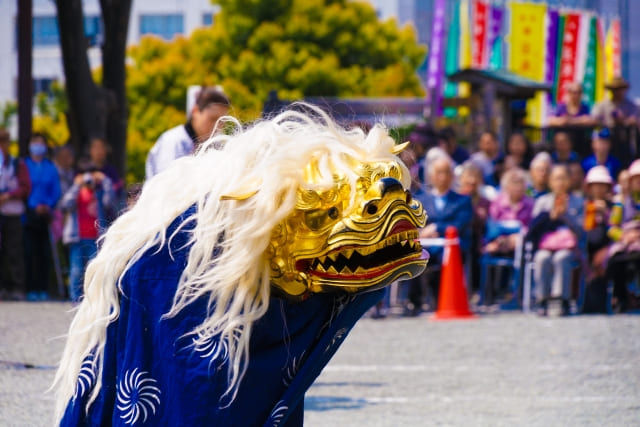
318	219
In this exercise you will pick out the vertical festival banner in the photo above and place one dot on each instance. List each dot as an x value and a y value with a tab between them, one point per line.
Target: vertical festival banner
435	68
569	54
589	82
527	50
551	56
612	51
451	58
464	89
479	47
494	38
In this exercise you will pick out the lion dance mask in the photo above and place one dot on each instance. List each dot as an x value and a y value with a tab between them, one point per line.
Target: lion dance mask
220	296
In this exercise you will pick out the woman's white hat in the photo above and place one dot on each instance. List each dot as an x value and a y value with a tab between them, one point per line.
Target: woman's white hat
599	174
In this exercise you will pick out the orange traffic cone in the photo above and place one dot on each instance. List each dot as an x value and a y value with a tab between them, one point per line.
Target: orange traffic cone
452	299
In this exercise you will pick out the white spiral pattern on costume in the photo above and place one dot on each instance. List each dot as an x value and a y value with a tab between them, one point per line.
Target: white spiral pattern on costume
137	396
210	348
86	377
292	369
278	413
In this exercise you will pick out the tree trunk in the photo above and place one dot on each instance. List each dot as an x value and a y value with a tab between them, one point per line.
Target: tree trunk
115	16
86	101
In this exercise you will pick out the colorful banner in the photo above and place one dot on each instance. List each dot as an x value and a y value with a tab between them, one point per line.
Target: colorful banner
452	57
435	67
553	18
569	54
612	51
589	80
494	38
479	46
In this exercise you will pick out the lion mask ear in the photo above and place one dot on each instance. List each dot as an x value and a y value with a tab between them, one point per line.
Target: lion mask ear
245	191
399	148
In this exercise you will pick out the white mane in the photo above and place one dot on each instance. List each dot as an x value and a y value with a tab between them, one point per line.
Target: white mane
269	157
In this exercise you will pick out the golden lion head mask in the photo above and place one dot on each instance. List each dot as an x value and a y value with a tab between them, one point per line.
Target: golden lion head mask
329	244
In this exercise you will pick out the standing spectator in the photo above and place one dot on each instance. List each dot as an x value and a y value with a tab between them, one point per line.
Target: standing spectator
555	231
449	143
563	149
444	208
617	110
573	112
620	115
539	171
45	192
470	185
99	151
63	159
487	156
15	187
624	231
601	146
182	140
519	150
85	204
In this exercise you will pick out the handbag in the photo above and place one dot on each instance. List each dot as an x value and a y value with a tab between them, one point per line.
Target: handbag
562	238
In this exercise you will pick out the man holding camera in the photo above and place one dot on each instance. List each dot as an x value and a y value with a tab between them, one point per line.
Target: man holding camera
84	205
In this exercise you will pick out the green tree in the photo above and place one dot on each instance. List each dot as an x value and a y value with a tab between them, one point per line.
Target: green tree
298	47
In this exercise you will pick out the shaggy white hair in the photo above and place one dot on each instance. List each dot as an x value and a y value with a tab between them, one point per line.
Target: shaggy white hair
269	157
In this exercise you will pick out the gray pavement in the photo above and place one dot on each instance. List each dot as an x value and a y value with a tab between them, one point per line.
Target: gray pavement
497	370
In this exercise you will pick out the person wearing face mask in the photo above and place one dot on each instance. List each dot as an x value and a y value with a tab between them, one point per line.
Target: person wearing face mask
182	140
45	192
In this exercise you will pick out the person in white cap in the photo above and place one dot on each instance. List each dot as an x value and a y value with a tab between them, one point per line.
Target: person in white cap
624	230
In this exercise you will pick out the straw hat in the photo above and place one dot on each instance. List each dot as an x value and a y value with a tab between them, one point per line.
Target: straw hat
634	169
617	83
599	175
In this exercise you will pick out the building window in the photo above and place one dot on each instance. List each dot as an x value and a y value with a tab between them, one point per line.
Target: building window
165	26
43	85
45	31
207	19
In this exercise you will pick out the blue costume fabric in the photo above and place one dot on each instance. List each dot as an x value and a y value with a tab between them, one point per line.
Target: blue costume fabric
153	374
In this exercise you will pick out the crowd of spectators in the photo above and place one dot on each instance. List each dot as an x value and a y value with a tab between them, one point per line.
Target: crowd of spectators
577	210
53	209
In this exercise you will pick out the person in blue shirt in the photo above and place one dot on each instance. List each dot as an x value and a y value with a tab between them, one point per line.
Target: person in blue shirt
45	192
601	146
444	208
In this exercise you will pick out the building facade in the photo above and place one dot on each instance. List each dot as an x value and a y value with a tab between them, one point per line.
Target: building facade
163	18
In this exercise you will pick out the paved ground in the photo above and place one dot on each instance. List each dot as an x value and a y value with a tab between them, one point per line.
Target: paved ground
498	370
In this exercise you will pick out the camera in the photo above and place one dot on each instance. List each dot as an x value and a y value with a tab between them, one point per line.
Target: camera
87	178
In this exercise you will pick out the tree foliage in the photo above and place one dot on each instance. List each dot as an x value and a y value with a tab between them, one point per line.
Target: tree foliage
300	48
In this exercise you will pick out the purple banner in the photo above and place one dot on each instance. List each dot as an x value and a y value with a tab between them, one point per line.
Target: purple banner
435	71
495	28
552	44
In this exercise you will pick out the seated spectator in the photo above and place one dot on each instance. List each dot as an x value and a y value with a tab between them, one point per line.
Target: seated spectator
423	138
519	150
624	231
563	149
622	187
444	208
576	176
573	112
601	147
555	231
539	172
432	155
597	208
471	185
511	205
487	156
449	143
85	205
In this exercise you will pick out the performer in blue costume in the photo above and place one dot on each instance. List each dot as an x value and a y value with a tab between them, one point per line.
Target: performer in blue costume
222	294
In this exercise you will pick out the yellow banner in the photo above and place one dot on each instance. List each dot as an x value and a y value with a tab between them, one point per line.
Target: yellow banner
527	44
